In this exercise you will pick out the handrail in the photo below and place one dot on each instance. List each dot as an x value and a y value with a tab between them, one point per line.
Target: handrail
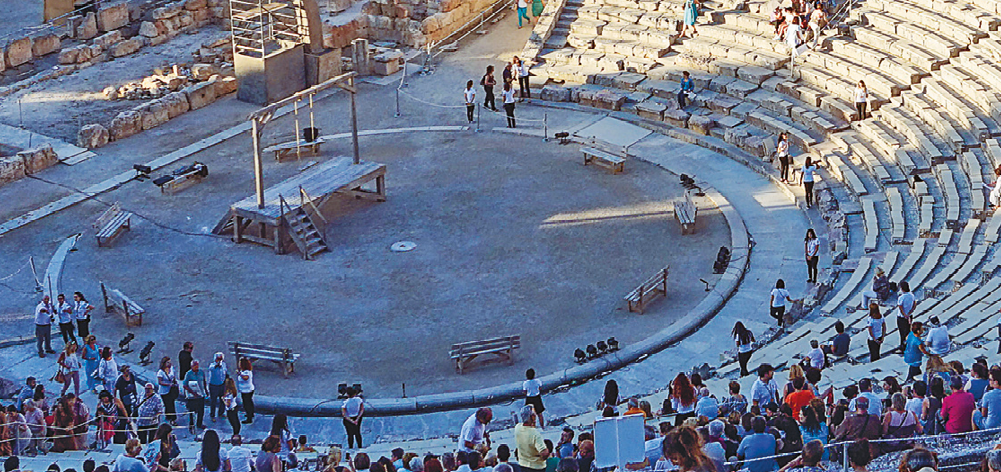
305	197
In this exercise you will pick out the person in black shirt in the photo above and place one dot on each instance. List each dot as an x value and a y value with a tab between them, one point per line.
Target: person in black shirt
184	359
841	342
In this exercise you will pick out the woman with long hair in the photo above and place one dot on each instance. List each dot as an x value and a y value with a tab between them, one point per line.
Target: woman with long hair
807	171
744	339
610	396
229	404
70	364
795	372
811	248
814	424
81	311
168	390
861	99
157	455
107	370
683	447
267	460
281	430
64	421
876	329
211	458
683	398
930	420
91	361
245	385
112	417
782	152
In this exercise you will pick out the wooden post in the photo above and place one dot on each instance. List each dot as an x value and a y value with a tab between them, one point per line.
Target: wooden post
278	235
237	229
104	293
354	122
380	186
258	167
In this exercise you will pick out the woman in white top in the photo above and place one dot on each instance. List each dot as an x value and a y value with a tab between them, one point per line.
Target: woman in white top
245	384
70	365
811	248
508	96
782	152
777	301
898	422
809	168
994	198
861	99
818	19
469	95
522	71
352	411
168	389
745	341
107	370
877	331
533	394
81	311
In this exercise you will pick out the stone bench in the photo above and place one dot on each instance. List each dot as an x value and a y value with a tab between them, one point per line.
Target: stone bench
856	280
845	174
929	19
615	163
863	156
907	51
871	220
908	125
910	262
978	256
898	223
924	271
887	266
931	116
948	186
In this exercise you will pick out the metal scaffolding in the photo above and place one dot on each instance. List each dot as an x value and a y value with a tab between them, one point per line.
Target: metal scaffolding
261	27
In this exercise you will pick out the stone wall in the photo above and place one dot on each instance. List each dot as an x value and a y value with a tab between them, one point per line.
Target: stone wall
419	22
26	162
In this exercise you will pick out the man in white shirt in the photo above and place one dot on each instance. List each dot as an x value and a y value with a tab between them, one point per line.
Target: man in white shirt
239	456
905	308
474	430
865	391
44	314
816	355
937	340
469	95
765	390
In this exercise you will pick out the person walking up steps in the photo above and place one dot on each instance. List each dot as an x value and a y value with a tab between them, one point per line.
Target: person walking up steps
811	247
488	82
509	104
687	87
523	86
809	168
745	343
905	308
470	96
777	302
523	13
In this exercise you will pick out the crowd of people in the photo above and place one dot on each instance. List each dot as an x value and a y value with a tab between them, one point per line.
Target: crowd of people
515	73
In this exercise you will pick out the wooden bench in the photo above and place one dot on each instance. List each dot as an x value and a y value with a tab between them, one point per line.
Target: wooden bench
638	299
306	148
116	301
597	156
111	223
503	347
685	212
284	357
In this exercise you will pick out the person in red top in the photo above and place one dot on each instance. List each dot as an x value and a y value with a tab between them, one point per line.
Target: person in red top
957	408
800	397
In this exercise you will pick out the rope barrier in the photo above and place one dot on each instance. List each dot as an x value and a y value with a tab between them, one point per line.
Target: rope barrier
414	98
26	264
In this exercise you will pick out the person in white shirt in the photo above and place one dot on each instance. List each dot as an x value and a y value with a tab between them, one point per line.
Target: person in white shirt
240	459
352	411
533	394
474	430
876	328
521	68
469	95
64	312
994	197
861	99
811	247
816	355
44	315
508	96
794	38
905	308
81	311
818	19
523	12
937	341
809	168
777	302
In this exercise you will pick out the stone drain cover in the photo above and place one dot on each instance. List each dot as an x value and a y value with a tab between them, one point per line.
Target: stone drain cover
403	246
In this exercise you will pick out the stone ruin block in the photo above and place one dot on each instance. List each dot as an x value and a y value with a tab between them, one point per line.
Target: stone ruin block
168	11
88	27
109	39
192	5
126	47
200	95
676	117
148	29
92	136
176	103
18	52
153	114
126	124
555	93
203	71
38	159
45	44
701	124
225	85
112	17
11	169
609	100
651	110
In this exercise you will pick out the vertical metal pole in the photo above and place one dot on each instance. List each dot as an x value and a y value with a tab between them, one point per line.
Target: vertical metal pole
311	123
258	167
477	117
844	455
298	148
354	122
545	127
397	102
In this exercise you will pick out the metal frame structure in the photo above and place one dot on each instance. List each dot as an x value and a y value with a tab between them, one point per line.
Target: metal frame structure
260	27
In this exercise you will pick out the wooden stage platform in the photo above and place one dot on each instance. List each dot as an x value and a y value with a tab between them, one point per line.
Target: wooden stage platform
291	206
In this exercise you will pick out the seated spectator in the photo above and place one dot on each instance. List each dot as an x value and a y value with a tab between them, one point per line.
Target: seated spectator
859	455
814	424
128	461
504	457
683	447
816	355
759	444
874	402
861	424
978	382
937	341
707	405
800	397
792	440
653	446
890	386
916	398
957	409
898	422
634	407
796	371
735	403
564	448
992	461
839	345
918	459
764	390
712	449
585	454
809	460
988	416
880	291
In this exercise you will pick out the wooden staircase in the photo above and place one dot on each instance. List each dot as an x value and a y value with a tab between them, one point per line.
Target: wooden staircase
307	237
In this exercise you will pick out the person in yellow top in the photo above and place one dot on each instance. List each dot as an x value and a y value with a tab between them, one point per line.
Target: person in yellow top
532	451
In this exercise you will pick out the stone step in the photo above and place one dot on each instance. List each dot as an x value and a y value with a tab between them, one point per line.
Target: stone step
914	33
931	20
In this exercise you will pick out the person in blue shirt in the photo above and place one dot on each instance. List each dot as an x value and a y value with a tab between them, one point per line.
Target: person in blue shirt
759	444
988	415
913	350
687	86
217	377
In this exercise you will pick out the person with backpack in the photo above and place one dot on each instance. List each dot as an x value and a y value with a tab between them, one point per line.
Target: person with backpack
488	82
